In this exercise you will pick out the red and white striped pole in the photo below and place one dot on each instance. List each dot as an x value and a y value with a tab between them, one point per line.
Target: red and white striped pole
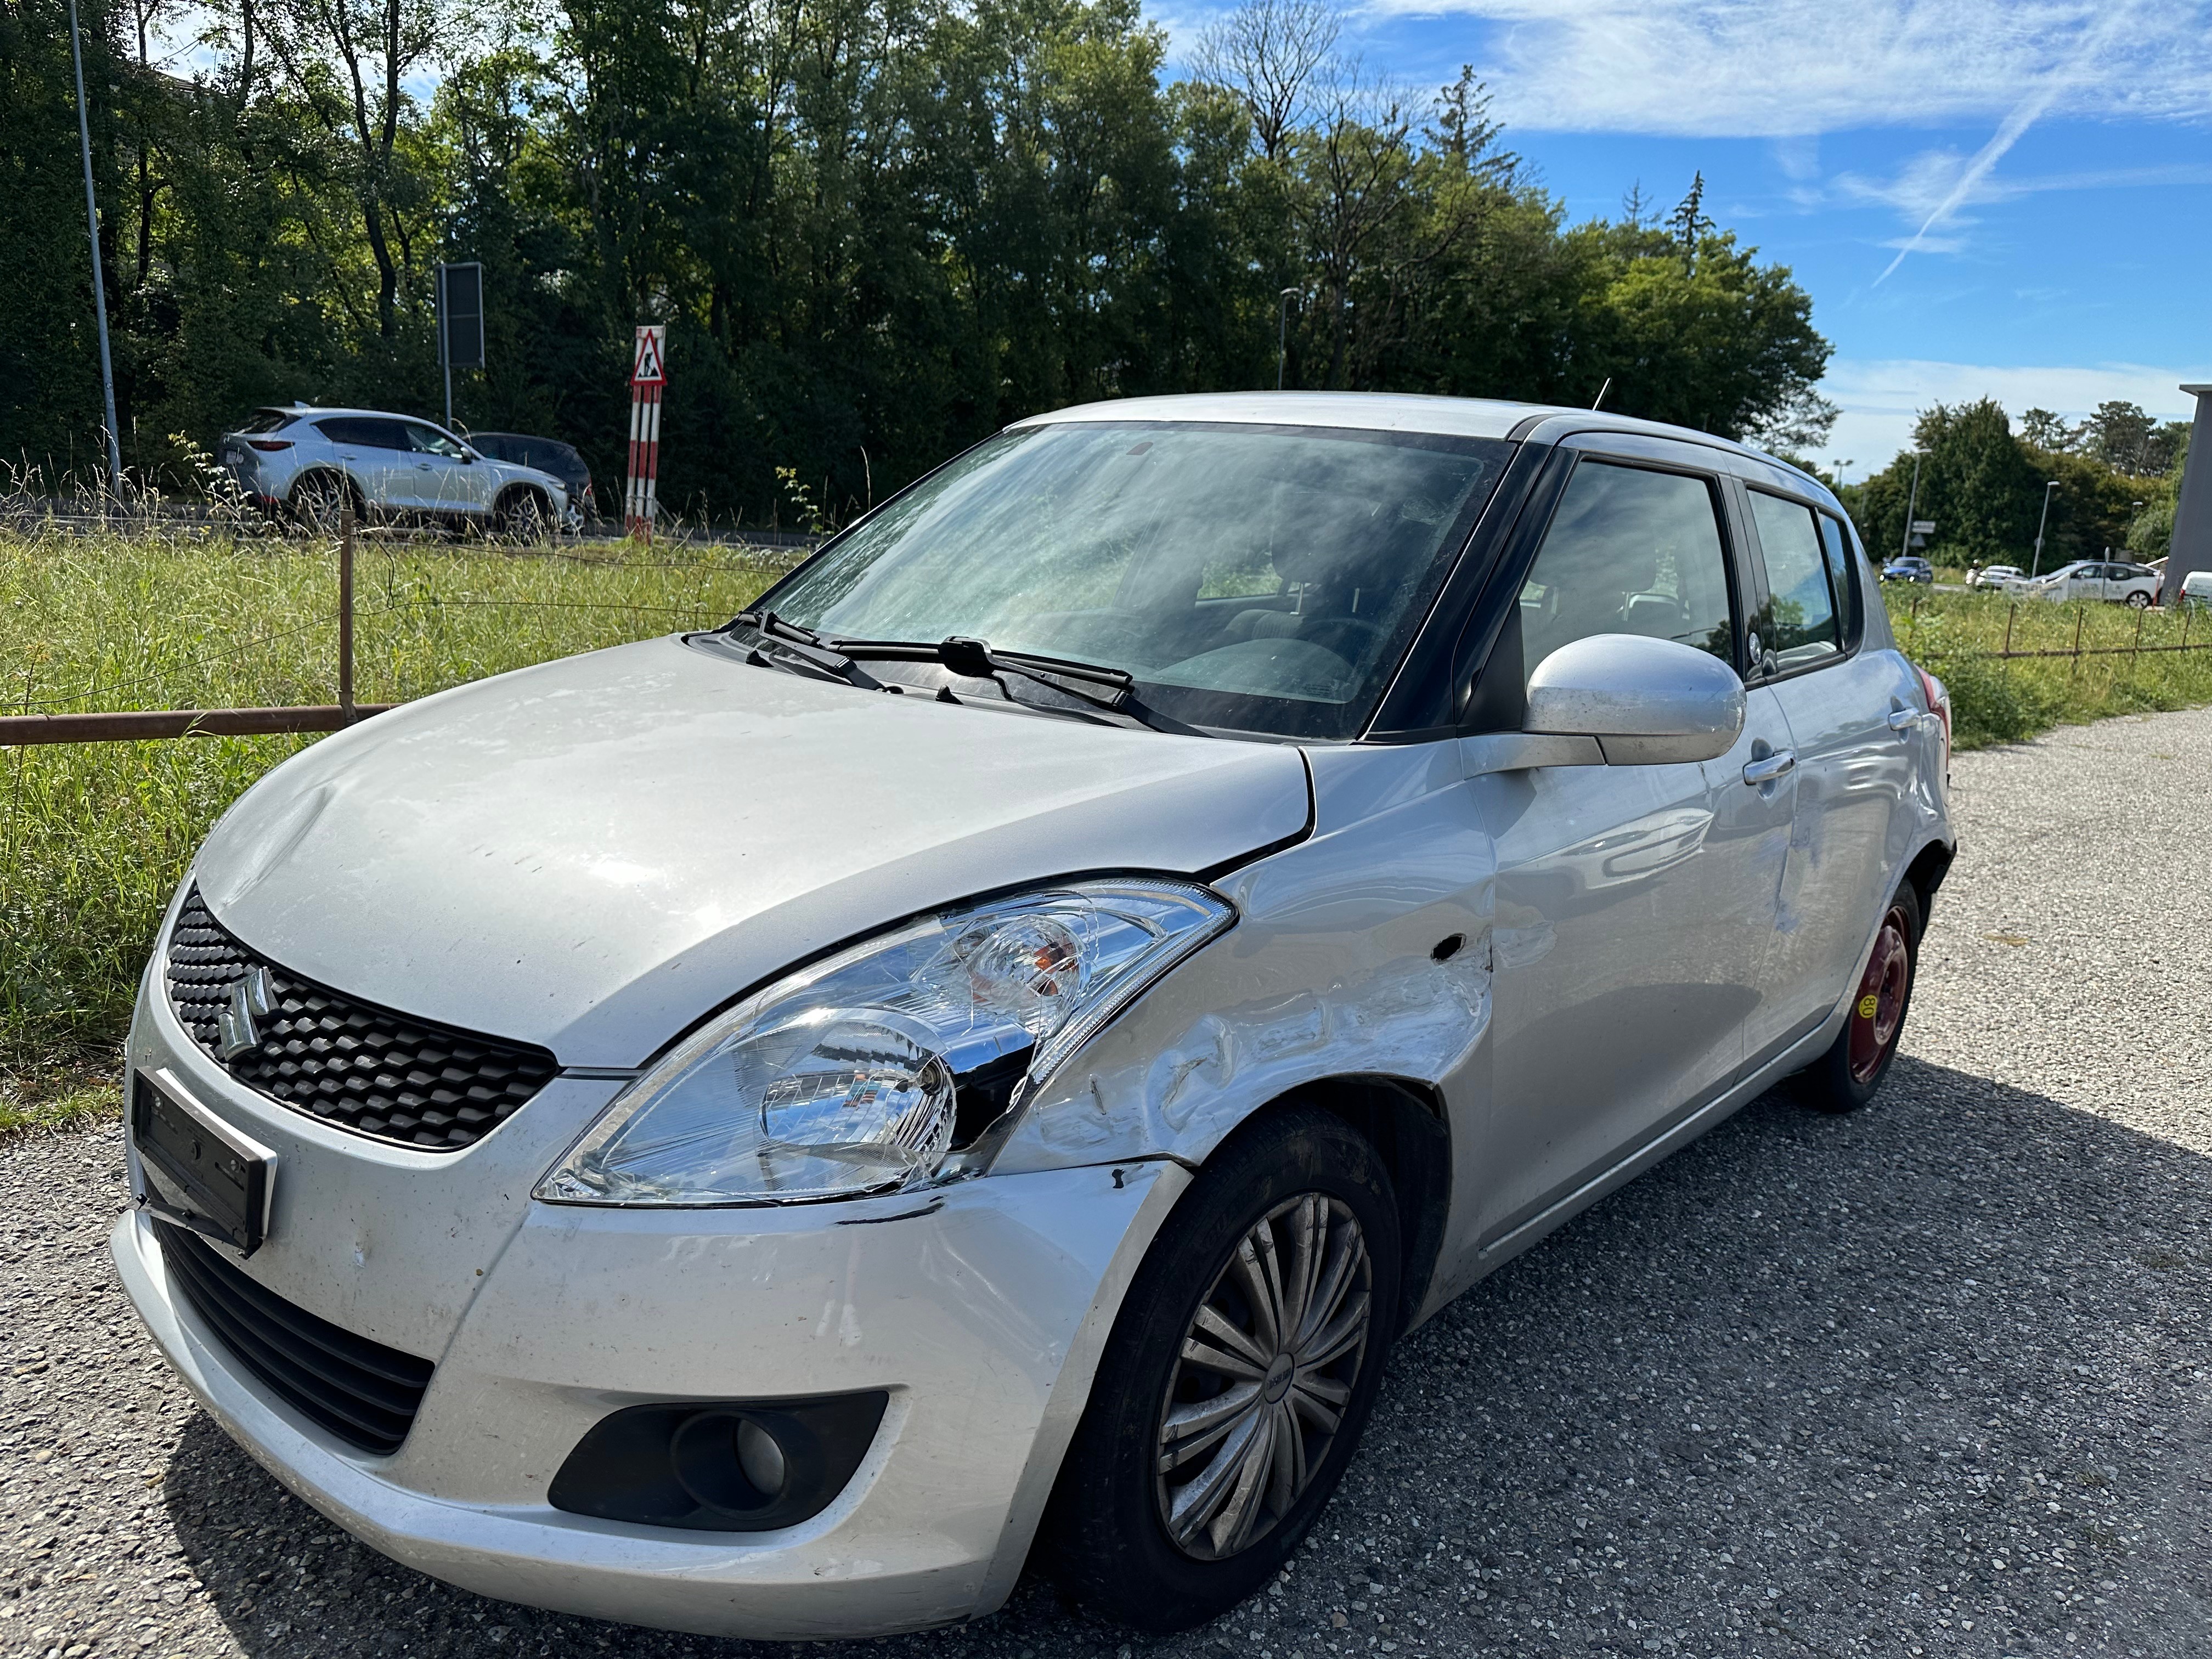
649	374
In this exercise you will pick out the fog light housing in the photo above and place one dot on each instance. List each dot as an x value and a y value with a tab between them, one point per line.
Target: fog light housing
719	1466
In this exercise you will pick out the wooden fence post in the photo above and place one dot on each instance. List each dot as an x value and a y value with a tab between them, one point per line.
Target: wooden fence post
2079	612
345	610
2011	611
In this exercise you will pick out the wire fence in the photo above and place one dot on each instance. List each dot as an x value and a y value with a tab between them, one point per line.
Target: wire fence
145	586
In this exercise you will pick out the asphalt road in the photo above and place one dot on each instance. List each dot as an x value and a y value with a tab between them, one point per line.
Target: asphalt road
1931	1380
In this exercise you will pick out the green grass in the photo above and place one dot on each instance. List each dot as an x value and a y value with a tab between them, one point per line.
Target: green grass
94	838
1995	700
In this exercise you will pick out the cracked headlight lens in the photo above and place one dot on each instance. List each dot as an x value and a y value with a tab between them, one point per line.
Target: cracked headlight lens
881	1067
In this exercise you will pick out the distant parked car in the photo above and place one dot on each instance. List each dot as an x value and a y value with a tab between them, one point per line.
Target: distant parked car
2196	588
1908	570
305	462
546	455
2132	585
1995	575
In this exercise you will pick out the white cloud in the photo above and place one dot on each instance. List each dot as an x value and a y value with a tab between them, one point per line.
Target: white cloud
1880	398
1780	68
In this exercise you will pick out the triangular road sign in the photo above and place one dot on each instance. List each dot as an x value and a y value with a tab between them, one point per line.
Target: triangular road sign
647	369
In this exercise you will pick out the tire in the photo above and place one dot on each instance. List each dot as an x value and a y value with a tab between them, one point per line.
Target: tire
522	515
318	502
1107	1541
1850	1073
2138	600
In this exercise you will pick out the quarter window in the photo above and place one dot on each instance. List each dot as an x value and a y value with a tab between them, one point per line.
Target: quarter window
1630	551
1798	621
1843	576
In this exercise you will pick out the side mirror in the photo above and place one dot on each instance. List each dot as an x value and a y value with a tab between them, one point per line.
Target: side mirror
1646	702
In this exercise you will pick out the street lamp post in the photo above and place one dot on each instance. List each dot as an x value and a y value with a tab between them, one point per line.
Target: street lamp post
1912	506
2040	524
99	286
1283	333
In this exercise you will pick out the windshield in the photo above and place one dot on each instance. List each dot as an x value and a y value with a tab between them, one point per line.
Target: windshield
1256	578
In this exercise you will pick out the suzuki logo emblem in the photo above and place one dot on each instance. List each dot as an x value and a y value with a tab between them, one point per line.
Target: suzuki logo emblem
252	997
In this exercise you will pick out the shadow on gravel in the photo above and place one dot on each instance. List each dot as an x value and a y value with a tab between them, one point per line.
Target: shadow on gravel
1813	1385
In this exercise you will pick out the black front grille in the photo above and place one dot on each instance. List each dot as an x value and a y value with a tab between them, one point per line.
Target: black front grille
350	1063
361	1391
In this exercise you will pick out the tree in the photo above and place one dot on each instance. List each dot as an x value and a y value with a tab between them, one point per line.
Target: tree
1269	53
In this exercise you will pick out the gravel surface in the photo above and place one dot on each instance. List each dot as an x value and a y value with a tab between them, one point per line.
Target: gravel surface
1928	1380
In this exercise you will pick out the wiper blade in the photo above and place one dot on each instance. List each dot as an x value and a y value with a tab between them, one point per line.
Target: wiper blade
976	659
970	659
801	649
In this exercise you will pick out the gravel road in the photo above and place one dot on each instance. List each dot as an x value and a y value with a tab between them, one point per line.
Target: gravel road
1929	1379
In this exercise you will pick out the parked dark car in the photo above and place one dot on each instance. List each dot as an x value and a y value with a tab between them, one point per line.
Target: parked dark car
547	455
1896	570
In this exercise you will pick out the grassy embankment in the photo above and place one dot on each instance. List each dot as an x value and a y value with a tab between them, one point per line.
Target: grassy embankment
93	837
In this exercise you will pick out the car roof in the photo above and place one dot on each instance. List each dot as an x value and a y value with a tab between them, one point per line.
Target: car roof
317	411
1386	411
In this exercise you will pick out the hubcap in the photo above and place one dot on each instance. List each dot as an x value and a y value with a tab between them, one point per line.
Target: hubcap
1267	1369
1879	1006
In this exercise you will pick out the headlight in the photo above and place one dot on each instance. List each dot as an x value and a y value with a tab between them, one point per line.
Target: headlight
863	1073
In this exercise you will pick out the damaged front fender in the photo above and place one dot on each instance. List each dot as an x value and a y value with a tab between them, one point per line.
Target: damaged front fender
1363	951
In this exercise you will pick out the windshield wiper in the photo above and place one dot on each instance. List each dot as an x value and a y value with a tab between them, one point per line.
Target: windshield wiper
803	650
970	659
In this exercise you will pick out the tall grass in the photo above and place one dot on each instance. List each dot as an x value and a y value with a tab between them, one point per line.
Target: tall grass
2123	668
94	836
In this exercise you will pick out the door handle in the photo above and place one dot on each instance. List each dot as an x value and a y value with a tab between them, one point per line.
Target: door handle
1902	719
1773	766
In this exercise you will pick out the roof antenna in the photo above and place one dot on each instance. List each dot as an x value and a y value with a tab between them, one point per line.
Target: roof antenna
1601	391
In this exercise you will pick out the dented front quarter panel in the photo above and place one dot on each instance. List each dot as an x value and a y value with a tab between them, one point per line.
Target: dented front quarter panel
1331	971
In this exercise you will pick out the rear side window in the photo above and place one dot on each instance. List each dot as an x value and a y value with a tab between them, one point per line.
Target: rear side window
1843	576
1629	551
361	432
1798	621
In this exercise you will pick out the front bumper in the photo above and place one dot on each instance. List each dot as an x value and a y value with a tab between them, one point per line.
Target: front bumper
981	1308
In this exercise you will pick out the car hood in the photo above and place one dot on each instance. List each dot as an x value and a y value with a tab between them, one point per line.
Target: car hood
592	853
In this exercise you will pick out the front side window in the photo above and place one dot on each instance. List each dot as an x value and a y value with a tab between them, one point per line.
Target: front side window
1629	551
1798	622
428	440
1258	577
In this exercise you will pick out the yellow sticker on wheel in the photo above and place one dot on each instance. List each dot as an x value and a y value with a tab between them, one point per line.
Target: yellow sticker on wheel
1867	1005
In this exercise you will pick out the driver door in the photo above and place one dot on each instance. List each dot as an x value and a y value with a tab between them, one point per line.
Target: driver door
447	482
1633	903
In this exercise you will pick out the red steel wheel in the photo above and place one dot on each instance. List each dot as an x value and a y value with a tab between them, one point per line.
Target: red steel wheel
1879	1009
1850	1072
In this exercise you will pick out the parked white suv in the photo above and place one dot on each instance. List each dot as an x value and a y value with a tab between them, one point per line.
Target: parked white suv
2131	585
305	461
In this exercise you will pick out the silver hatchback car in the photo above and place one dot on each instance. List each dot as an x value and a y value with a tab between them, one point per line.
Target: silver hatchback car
305	462
766	1131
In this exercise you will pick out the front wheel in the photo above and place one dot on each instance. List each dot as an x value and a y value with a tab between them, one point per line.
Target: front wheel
1242	1367
1851	1073
523	515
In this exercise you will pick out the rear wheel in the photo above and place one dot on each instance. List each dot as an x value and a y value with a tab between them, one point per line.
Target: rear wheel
1242	1367
318	501
1851	1073
2138	600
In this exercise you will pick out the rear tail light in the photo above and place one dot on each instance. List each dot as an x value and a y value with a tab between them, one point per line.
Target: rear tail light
269	445
1939	705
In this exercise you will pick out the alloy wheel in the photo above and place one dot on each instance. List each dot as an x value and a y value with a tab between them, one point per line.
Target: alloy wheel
1879	1007
1268	1366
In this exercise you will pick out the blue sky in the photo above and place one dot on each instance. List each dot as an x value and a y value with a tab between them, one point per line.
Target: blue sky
2003	196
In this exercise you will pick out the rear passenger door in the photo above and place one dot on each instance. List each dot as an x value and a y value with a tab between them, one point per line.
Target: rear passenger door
1851	715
